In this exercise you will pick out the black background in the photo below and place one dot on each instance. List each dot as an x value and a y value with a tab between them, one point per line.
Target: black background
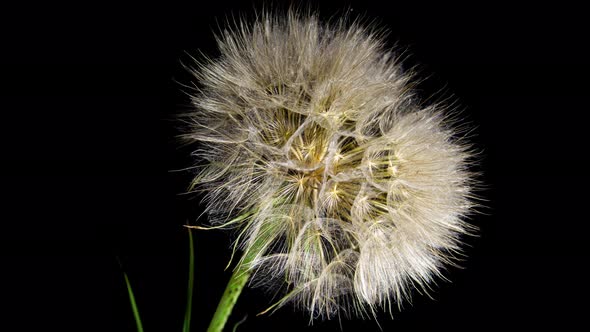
87	135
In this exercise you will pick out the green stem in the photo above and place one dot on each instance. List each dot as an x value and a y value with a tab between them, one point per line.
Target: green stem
228	300
238	279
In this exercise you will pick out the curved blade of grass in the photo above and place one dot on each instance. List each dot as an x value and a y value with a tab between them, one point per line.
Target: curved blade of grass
191	280
133	304
239	323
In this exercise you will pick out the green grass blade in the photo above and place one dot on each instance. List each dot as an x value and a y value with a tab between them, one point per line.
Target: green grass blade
191	280
133	304
235	329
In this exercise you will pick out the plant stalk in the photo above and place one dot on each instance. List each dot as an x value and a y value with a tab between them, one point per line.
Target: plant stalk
237	282
228	300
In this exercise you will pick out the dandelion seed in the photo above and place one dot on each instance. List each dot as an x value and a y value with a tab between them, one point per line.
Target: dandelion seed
350	192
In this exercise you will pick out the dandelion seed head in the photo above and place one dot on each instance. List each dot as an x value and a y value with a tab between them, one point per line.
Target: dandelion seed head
353	192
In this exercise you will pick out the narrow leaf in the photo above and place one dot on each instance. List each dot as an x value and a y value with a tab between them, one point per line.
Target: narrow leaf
191	280
133	304
239	323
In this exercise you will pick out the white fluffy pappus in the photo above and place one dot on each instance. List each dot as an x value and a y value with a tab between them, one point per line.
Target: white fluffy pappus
342	186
